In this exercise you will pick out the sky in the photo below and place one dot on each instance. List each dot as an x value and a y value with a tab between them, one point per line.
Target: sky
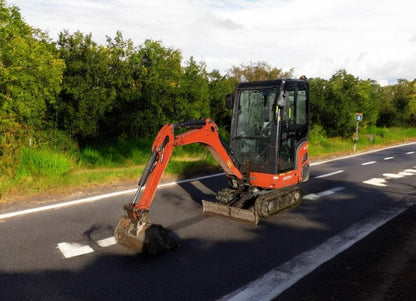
370	39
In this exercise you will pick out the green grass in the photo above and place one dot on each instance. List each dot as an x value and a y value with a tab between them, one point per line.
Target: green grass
45	170
368	138
39	162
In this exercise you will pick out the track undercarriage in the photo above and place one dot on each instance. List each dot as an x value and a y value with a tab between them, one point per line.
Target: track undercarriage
251	204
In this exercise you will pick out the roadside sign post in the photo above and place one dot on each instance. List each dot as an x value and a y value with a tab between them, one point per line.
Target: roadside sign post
358	118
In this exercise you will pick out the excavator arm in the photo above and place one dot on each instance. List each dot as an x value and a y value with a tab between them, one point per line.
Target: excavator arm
204	132
136	230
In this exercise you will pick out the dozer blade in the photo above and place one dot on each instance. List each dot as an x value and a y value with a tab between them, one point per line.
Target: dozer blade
147	238
238	214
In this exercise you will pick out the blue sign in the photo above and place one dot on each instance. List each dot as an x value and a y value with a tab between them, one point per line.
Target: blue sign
358	116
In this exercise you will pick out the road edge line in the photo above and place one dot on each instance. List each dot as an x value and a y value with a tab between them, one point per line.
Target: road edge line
94	198
276	281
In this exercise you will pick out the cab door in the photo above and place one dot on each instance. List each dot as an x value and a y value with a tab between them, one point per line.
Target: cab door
293	125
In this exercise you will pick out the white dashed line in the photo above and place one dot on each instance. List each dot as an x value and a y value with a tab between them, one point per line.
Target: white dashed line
328	174
392	175
314	196
368	163
106	242
73	249
410	153
376	182
381	182
388	158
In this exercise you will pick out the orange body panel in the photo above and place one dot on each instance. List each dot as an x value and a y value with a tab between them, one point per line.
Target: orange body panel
270	181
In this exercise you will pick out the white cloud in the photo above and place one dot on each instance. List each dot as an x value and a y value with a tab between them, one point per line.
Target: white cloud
370	39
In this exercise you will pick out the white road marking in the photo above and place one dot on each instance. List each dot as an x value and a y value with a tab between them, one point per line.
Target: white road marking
368	163
405	173
106	242
376	182
392	175
388	158
328	174
73	249
315	196
65	204
410	153
273	283
93	199
382	181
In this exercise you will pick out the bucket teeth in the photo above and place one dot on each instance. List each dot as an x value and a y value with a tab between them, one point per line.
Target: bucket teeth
238	214
146	238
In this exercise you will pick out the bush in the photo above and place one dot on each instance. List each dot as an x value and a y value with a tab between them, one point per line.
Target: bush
373	130
317	136
37	162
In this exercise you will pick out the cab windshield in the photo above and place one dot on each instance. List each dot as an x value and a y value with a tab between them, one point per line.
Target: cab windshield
255	113
254	125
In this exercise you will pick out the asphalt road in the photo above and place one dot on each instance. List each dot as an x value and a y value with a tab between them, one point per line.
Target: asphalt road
68	254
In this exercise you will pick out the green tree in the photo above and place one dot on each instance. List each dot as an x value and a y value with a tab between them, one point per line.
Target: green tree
412	105
126	73
257	71
318	90
387	112
30	79
346	96
398	104
30	69
219	86
403	100
159	73
88	90
193	102
368	99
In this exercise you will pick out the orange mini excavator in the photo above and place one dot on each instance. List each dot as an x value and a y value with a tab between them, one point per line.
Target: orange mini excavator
266	158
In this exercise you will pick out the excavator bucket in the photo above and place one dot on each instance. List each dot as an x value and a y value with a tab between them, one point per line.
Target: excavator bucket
146	238
243	215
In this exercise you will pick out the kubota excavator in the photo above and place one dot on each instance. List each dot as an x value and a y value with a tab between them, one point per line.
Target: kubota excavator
266	158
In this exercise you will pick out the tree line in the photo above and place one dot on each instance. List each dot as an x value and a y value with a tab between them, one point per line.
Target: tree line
74	89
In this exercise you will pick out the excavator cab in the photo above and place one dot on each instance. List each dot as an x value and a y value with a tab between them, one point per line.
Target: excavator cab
269	123
265	159
269	141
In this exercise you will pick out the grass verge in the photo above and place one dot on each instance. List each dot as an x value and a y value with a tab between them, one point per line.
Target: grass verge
47	171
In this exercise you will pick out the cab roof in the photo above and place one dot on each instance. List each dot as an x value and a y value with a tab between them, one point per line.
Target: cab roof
266	83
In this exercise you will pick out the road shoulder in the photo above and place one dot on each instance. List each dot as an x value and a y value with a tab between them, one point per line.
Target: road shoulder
380	267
